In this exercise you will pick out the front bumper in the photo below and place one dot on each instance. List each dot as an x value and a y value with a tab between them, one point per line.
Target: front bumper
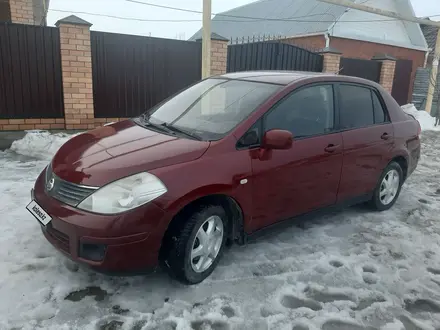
127	243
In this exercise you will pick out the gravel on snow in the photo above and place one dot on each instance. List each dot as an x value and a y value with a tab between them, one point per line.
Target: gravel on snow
351	270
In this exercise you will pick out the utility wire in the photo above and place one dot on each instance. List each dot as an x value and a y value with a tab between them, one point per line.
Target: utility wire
162	20
248	19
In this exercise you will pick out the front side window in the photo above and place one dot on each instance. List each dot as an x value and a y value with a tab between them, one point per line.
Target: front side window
211	108
356	107
304	113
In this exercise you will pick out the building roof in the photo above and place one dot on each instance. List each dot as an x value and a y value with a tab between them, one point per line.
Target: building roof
290	18
430	33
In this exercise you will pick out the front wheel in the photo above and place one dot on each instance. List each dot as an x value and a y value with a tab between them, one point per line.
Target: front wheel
388	188
197	247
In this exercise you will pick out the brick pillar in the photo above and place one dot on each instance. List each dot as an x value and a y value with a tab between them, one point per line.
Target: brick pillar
332	60
387	71
76	66
22	11
219	54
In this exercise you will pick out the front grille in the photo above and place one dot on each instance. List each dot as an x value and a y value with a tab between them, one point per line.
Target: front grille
69	193
62	240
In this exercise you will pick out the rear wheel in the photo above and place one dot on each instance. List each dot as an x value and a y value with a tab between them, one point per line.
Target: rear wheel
388	188
197	246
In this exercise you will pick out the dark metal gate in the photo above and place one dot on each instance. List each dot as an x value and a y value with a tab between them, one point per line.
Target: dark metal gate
402	81
367	69
30	72
132	73
272	56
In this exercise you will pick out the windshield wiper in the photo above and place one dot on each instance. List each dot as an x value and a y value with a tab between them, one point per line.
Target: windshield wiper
144	121
181	131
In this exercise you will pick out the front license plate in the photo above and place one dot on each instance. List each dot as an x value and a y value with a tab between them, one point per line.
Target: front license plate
38	212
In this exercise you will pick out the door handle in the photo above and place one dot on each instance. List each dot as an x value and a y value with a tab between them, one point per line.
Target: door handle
331	148
385	136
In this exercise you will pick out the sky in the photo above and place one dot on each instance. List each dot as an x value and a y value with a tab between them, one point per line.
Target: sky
177	30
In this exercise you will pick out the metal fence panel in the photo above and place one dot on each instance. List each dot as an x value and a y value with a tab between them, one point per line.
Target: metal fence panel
30	72
272	55
367	69
402	81
133	73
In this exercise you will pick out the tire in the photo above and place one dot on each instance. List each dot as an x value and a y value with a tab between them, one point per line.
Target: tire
185	241
384	201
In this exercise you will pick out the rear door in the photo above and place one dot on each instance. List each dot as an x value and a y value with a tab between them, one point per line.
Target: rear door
367	135
306	177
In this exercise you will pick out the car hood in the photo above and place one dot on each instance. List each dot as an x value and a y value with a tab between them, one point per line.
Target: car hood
108	153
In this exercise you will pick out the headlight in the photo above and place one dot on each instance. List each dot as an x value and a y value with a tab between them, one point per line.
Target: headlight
124	194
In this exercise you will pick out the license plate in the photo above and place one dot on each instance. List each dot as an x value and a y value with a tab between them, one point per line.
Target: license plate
38	212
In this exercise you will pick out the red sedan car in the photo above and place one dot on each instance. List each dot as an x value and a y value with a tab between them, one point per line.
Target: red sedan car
220	161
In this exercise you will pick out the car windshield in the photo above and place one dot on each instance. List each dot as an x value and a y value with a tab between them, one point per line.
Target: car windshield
211	108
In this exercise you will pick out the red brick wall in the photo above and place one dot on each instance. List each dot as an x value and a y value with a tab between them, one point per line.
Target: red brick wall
366	50
317	42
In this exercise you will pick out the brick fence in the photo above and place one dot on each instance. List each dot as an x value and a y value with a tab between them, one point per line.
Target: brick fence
77	73
22	11
76	67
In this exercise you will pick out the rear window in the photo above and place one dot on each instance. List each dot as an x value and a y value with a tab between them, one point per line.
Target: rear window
356	107
380	115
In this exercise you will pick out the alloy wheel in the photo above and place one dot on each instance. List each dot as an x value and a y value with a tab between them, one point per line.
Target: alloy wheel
389	187
207	244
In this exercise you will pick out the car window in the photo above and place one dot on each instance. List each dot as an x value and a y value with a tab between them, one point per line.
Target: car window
356	106
251	137
304	113
379	113
213	107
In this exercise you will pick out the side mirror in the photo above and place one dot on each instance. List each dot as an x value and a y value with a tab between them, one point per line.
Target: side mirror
277	139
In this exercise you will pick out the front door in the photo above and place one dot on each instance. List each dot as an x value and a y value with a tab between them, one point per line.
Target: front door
286	183
368	138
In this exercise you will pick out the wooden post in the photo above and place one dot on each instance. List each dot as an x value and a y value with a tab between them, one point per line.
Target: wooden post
206	40
433	76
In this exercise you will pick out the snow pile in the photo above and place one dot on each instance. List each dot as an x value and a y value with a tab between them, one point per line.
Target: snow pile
40	144
427	123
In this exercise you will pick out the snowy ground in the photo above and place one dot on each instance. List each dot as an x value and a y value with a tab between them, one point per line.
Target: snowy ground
349	271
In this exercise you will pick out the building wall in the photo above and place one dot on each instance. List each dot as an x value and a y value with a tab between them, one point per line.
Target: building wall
312	42
366	50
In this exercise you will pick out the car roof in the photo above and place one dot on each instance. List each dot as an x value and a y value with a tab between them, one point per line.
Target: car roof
288	77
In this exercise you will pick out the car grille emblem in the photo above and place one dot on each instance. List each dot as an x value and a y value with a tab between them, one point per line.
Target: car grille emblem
50	184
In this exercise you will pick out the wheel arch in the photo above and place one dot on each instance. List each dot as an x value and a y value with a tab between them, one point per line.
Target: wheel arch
403	163
230	205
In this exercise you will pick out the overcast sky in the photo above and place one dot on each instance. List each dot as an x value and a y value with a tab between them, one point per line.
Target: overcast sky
180	30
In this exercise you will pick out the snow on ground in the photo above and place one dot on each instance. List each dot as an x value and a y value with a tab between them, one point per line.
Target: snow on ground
427	122
351	270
